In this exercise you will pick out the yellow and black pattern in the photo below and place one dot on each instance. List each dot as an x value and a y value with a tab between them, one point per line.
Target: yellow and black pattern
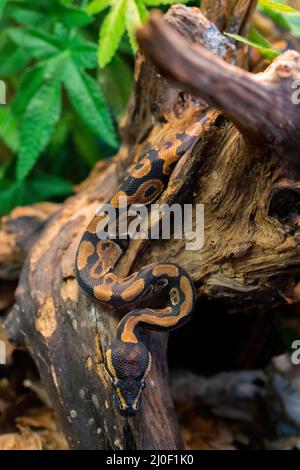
128	361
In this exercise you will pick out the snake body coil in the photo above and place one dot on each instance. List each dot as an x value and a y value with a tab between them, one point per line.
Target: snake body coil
128	361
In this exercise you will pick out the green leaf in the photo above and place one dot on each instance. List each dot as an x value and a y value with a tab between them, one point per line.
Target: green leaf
283	19
37	188
268	52
111	32
276	6
54	67
2	6
46	186
13	61
155	3
25	16
5	167
38	43
61	32
255	36
133	22
142	10
59	136
37	126
9	128
30	83
69	2
96	6
86	143
51	69
84	53
116	82
42	4
73	17
87	100
11	195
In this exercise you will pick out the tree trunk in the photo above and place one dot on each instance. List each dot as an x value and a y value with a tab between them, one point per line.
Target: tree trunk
243	168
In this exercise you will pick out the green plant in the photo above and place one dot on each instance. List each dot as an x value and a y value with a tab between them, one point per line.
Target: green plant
256	40
62	110
123	15
47	62
59	54
283	16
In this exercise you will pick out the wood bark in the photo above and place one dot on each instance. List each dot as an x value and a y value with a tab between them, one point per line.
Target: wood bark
243	168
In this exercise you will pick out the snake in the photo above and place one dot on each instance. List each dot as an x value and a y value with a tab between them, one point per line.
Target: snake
128	360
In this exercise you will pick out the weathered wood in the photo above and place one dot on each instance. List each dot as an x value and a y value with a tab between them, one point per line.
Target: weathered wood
18	233
251	255
229	15
260	106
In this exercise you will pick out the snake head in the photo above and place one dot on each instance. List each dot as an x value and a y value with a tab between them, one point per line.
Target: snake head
128	364
128	396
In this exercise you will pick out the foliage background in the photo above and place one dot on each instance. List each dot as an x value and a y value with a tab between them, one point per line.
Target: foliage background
68	70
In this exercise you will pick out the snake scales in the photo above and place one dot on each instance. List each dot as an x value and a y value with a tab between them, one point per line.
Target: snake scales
128	361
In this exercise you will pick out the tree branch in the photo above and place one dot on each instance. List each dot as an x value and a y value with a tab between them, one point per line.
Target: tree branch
229	15
260	106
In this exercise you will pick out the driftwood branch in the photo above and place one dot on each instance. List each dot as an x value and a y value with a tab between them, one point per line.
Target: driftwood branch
229	15
18	233
259	105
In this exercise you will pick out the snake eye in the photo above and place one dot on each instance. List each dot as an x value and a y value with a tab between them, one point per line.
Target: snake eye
143	385
161	284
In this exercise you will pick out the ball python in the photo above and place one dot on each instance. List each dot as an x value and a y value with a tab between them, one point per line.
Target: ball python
127	360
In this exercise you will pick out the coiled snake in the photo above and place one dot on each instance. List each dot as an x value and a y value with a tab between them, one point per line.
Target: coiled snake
128	361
